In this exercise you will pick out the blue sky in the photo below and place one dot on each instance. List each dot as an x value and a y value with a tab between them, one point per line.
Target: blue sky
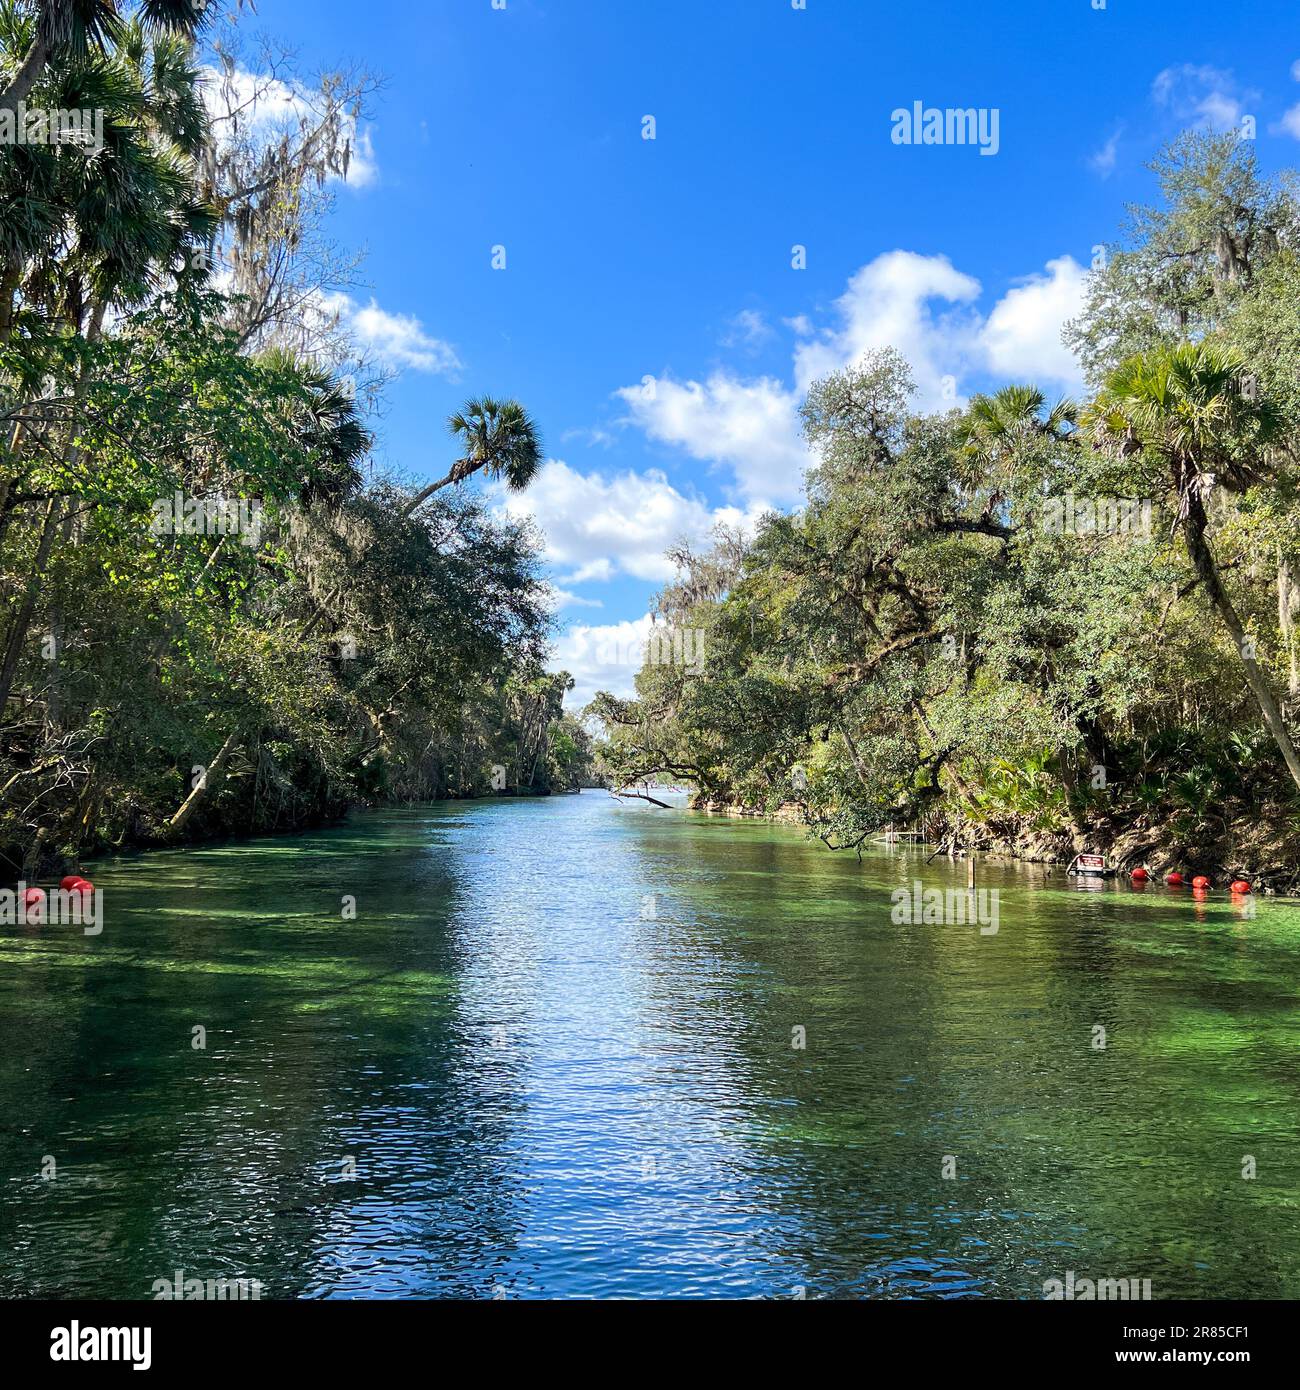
649	314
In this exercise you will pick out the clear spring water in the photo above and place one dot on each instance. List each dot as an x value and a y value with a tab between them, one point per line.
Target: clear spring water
504	1078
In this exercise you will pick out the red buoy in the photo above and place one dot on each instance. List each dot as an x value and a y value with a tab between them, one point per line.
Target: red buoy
1200	881
1140	875
1174	880
34	895
67	882
83	887
1241	886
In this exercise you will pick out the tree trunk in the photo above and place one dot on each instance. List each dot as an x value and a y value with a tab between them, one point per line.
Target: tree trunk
26	76
1195	524
425	493
10	279
1288	610
1070	784
191	802
23	618
460	470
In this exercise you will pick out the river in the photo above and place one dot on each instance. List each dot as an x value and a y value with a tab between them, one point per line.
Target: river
567	1048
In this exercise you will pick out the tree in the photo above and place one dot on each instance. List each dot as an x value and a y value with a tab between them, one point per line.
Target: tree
1195	409
281	142
1184	267
158	678
55	30
499	439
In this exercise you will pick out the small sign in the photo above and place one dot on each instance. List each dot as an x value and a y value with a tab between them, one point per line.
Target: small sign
1092	861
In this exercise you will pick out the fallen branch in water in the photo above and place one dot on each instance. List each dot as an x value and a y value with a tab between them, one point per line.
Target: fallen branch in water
640	796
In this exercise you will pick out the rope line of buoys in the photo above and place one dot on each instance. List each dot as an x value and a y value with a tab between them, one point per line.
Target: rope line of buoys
36	901
1200	883
69	883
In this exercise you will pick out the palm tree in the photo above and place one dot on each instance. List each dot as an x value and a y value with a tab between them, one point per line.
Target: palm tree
1191	408
499	439
97	233
57	28
994	426
996	435
327	420
78	236
1016	407
1004	438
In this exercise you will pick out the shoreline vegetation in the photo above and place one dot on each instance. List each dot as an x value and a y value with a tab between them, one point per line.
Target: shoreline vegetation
217	618
1127	851
1033	627
1029	626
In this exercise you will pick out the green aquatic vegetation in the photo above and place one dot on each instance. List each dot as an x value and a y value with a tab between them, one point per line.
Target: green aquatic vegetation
497	1053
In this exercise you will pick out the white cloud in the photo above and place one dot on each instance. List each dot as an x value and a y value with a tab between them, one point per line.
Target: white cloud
597	527
1022	336
268	107
396	340
605	657
900	300
750	425
747	329
598	571
922	306
593	436
1102	162
1290	122
562	598
1206	95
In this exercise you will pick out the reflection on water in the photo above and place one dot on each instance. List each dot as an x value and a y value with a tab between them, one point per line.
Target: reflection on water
512	1075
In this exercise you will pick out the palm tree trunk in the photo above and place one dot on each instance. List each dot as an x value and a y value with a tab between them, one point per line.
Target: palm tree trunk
1195	524
11	276
425	493
25	78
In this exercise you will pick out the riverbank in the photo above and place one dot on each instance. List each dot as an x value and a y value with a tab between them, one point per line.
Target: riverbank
1263	849
40	859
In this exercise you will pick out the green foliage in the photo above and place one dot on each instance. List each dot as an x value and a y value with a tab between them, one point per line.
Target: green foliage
937	641
337	645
